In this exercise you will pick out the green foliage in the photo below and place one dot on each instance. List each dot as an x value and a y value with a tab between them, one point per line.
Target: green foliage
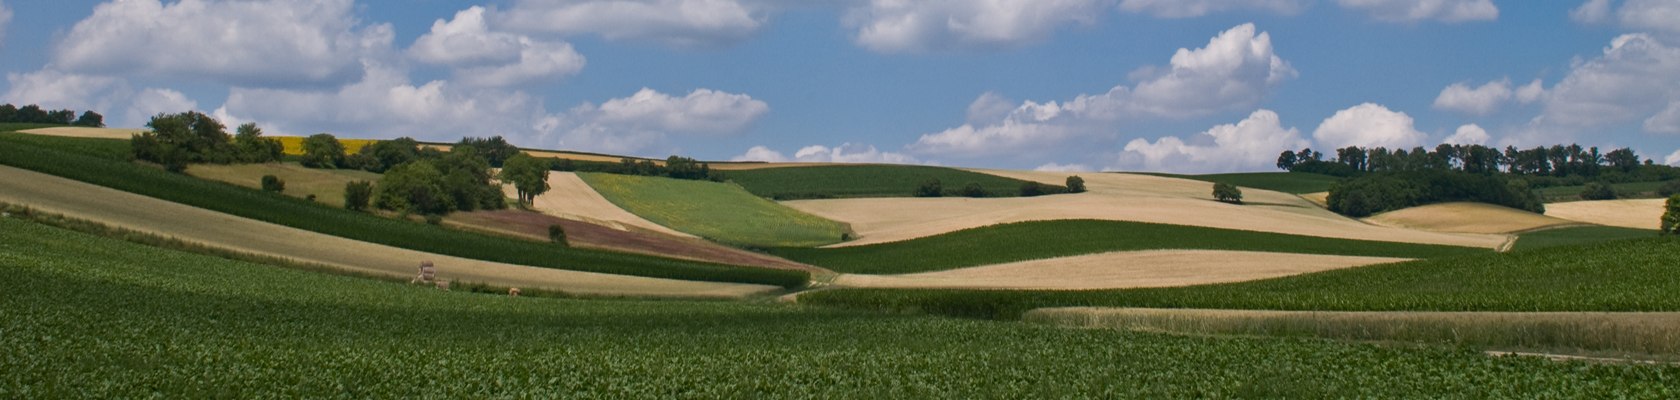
973	189
528	175
718	211
412	187
1287	182
434	219
90	119
1579	235
1598	191
89	317
253	148
930	188
81	159
1378	192
1048	239
853	181
1629	275
1669	188
494	149
271	183
1224	192
1030	189
34	114
1075	184
1671	216
357	195
189	137
557	234
384	154
322	150
1625	190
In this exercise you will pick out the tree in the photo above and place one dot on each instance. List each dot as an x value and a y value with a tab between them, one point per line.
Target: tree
1598	191
357	194
255	148
1225	192
412	187
390	153
1671	216
494	149
973	189
271	183
1075	184
90	119
528	175
1030	189
1623	159
322	150
1286	160
557	234
930	188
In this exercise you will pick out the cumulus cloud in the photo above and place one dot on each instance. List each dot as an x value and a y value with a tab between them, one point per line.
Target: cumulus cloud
1637	78
1531	92
1236	69
151	102
1368	125
1197	8
487	58
249	43
898	26
631	124
1250	144
1054	167
1673	158
680	23
1591	12
5	20
1656	15
1481	100
1420	10
1468	134
844	153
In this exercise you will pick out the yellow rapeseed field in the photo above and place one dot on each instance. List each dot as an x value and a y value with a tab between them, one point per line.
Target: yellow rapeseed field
294	144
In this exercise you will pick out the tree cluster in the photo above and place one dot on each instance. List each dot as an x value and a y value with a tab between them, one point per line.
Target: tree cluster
1555	161
528	175
34	114
439	183
1225	192
176	140
1385	191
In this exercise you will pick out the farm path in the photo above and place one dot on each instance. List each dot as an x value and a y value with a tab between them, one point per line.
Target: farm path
131	211
570	197
1118	270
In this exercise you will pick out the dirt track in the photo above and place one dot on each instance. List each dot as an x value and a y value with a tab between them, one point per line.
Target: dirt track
1113	196
1467	218
84	201
1133	269
1638	214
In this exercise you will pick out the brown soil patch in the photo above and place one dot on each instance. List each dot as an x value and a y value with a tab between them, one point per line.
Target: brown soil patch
83	132
1132	269
534	226
127	210
1638	214
1467	218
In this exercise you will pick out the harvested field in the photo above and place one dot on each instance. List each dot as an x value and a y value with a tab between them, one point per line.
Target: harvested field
1118	270
1322	199
145	214
1643	333
570	197
1638	214
327	185
534	226
1464	217
84	132
1112	196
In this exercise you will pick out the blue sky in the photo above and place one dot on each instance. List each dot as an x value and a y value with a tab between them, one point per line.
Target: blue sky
1024	84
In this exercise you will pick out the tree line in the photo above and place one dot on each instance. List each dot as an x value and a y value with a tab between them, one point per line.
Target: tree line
34	114
1558	161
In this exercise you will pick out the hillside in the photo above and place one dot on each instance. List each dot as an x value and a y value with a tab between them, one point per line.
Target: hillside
852	181
1463	217
717	211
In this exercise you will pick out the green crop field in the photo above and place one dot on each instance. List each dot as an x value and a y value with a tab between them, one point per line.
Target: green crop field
1628	275
1287	182
88	317
850	181
90	160
718	211
1046	239
1577	236
1630	190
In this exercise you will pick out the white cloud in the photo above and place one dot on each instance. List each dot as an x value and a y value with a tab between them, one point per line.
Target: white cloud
1250	144
1368	125
1482	100
1235	70
151	102
1667	121
1673	158
248	43
1197	8
1636	79
538	61
845	153
1531	92
1468	134
5	20
1054	167
1419	10
897	26
58	90
636	123
1656	15
1591	12
485	58
674	22
990	106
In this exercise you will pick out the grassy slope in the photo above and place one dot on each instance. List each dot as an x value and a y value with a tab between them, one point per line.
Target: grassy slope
1287	182
1046	239
847	181
89	160
327	185
716	211
1633	275
1577	236
87	317
1631	190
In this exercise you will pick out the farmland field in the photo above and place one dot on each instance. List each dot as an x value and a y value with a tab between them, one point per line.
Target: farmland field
1627	275
1287	182
849	181
718	211
327	185
1045	239
93	317
1580	235
293	145
1630	190
85	162
1466	217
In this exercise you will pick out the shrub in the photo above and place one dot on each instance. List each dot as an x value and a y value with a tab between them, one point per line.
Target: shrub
1030	189
1228	193
1075	184
1671	216
271	183
357	194
557	234
310	197
973	190
412	187
1669	188
930	188
322	150
1598	191
434	219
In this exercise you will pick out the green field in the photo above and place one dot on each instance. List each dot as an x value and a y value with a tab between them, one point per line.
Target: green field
88	317
1046	239
850	181
1577	236
93	161
1287	182
1630	190
718	211
1628	275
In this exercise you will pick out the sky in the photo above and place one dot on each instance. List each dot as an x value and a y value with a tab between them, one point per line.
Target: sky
1194	86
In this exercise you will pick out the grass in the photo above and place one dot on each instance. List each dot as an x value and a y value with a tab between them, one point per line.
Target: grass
1577	236
1287	182
718	211
852	181
327	185
1628	275
1046	239
83	161
88	317
1630	190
